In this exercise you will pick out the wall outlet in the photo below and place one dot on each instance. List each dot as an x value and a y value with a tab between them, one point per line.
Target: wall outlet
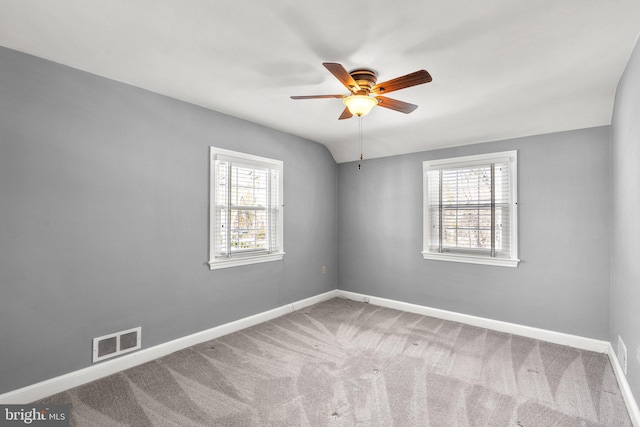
622	354
324	269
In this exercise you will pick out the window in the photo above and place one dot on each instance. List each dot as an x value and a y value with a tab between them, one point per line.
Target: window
470	209
245	209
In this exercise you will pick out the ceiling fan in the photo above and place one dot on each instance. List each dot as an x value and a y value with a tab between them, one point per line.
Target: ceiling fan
361	83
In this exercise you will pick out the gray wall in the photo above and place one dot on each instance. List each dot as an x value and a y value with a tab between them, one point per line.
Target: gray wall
625	241
104	218
562	283
103	223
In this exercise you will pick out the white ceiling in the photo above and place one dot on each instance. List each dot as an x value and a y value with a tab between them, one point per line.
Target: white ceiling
501	68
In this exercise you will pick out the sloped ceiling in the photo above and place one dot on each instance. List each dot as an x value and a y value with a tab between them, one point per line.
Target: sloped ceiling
501	68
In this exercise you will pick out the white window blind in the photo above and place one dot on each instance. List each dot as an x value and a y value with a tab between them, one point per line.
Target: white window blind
470	209
246	209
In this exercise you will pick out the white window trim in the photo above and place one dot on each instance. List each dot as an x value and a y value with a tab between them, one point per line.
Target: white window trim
428	165
470	259
242	259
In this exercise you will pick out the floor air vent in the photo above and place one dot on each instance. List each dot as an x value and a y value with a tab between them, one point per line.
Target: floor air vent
116	344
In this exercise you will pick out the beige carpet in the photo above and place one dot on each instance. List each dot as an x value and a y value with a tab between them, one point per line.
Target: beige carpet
345	363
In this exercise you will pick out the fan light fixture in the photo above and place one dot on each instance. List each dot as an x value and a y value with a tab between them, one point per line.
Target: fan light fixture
360	105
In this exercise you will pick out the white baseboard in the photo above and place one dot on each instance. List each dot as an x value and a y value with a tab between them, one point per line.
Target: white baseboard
629	400
482	322
73	379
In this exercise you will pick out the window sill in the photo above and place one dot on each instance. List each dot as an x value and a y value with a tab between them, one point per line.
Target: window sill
470	259
244	260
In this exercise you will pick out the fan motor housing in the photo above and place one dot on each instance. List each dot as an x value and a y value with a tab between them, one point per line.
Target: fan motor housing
365	77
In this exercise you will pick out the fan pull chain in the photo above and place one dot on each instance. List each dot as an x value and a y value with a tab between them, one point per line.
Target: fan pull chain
360	129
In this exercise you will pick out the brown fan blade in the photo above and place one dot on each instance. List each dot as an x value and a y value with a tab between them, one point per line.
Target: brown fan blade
317	96
394	104
346	114
413	79
342	75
